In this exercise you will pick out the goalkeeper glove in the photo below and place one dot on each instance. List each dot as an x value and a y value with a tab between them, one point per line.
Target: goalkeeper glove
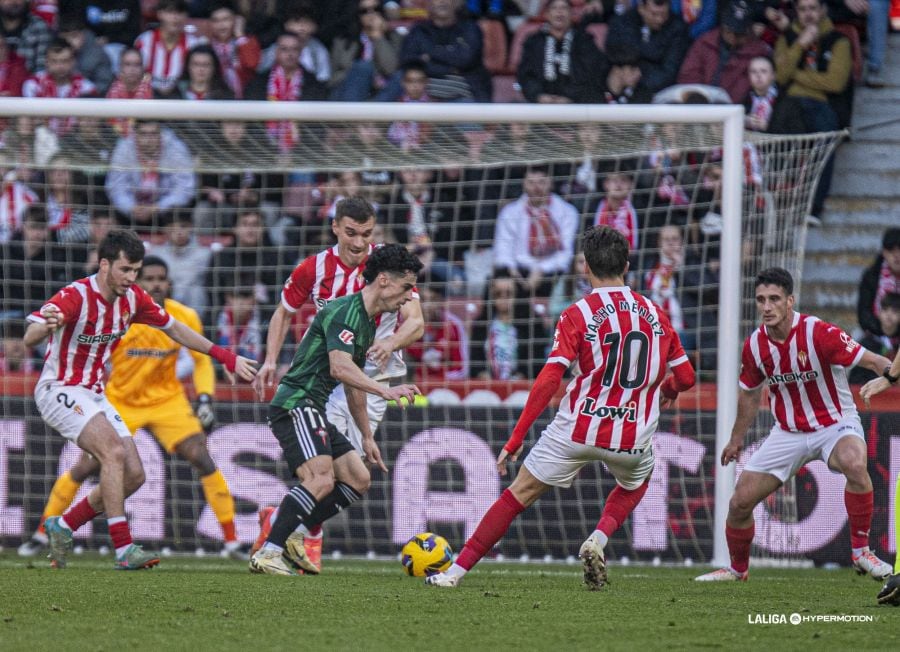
205	412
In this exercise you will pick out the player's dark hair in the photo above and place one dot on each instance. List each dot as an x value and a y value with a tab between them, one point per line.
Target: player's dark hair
606	251
121	241
393	259
538	169
891	239
180	6
155	261
357	209
776	276
890	301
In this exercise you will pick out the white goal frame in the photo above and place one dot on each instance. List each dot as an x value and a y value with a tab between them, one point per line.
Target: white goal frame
730	117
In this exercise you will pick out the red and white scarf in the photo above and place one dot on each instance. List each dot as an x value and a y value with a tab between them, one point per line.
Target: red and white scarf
888	283
281	88
761	105
662	286
624	220
119	91
227	54
543	234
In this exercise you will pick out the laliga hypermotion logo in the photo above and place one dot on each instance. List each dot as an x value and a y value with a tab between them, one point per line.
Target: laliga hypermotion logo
347	336
849	342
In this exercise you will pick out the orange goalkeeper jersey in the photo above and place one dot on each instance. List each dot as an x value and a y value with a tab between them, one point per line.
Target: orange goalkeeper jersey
143	365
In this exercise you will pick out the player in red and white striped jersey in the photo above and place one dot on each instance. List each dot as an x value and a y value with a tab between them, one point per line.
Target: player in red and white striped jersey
621	347
164	49
327	275
84	322
804	362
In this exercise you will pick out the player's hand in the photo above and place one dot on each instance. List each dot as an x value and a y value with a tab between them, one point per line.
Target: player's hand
205	412
265	377
505	457
373	454
53	316
873	387
731	452
408	392
244	368
666	403
380	352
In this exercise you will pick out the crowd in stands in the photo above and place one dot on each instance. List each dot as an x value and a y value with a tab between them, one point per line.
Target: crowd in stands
231	213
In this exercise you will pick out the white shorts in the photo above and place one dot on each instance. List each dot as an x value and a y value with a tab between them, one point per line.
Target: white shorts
338	414
556	461
783	453
68	408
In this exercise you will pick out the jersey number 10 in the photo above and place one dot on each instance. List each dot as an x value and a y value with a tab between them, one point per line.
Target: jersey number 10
634	343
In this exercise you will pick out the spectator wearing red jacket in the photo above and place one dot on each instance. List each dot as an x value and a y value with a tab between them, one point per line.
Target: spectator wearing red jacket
13	72
443	352
722	55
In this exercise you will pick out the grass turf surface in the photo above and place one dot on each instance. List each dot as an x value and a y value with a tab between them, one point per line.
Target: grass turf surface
201	604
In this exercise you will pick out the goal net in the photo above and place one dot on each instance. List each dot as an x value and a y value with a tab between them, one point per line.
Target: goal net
233	195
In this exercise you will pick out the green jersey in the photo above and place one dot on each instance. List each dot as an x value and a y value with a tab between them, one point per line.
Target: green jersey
342	325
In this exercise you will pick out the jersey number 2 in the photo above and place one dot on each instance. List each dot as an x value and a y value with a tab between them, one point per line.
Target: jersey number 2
634	343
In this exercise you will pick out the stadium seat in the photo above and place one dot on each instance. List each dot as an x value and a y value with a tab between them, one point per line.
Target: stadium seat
481	397
506	89
852	35
516	398
598	31
443	396
495	46
518	42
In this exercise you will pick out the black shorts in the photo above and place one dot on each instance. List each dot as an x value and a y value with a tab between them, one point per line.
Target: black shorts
305	433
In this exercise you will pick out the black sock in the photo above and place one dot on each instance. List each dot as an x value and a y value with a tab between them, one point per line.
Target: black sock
295	508
340	497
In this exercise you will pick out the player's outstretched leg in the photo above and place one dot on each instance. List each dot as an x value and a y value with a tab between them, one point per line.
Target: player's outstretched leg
890	592
593	561
739	542
490	530
61	496
266	517
860	507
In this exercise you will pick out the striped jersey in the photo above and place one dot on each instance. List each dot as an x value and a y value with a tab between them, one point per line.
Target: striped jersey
806	374
621	345
164	65
342	325
323	277
143	364
78	351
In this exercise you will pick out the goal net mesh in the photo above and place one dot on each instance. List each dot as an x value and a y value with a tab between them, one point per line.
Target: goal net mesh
234	206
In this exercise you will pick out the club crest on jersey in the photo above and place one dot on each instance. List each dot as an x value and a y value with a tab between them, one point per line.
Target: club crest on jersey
347	337
802	358
126	316
591	409
78	410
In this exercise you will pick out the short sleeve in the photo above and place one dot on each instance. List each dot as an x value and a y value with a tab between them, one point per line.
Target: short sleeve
339	336
564	350
751	375
835	346
147	311
67	300
299	284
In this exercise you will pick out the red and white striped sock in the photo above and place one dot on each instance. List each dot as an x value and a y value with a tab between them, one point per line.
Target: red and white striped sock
493	526
119	533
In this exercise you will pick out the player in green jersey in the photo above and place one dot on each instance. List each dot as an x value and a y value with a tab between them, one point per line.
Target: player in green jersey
332	351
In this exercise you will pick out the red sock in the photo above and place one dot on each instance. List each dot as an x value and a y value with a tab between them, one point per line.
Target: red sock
619	505
80	514
493	526
228	531
739	540
859	509
315	531
119	533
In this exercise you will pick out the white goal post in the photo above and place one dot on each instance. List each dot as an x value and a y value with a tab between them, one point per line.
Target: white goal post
727	121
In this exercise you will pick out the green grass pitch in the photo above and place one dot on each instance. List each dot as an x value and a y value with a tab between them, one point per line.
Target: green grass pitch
215	604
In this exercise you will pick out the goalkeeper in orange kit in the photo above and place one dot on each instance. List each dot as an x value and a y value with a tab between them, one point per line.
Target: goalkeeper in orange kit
145	390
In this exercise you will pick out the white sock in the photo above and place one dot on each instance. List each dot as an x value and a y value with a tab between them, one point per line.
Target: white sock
856	552
455	571
121	551
302	529
601	538
62	521
271	546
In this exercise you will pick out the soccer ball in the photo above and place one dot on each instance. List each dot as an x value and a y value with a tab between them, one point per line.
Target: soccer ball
426	554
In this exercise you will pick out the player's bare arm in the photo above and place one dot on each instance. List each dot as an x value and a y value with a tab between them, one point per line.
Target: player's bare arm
412	327
748	406
344	370
278	328
38	332
888	378
243	368
356	403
